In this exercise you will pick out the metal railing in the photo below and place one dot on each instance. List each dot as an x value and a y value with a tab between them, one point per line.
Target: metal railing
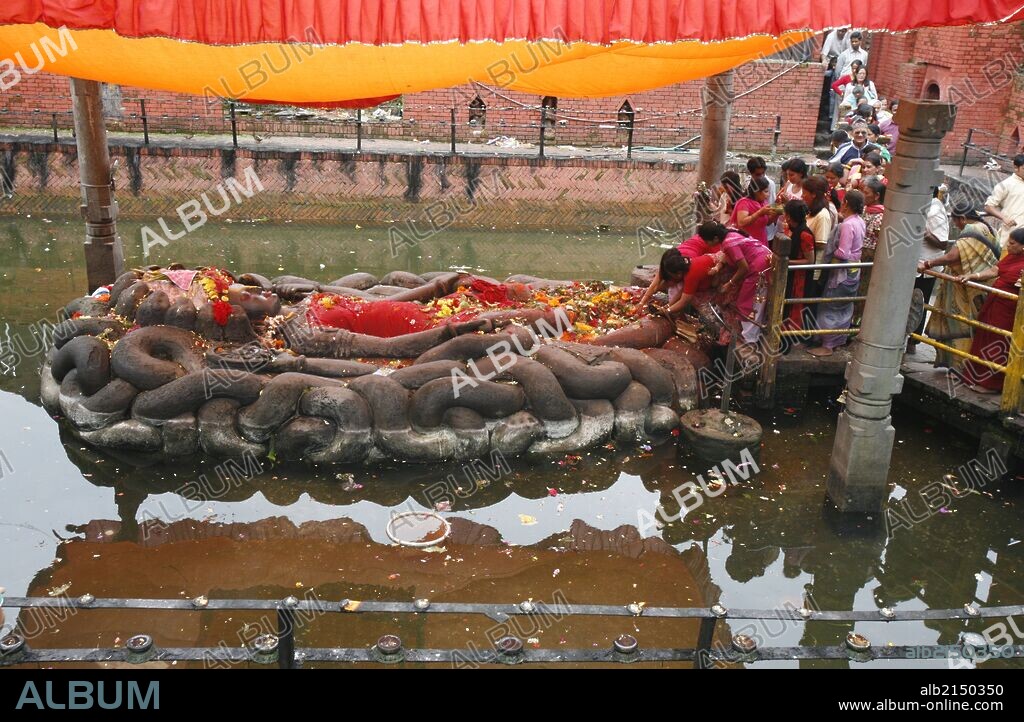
1012	398
992	148
279	648
530	128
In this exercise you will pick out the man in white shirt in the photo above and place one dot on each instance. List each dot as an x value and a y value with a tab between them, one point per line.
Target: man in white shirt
835	43
855	52
1007	201
936	238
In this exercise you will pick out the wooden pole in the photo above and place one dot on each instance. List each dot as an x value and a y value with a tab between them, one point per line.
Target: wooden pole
714	139
775	312
104	255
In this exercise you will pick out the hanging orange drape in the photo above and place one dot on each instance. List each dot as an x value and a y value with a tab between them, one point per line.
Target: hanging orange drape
334	51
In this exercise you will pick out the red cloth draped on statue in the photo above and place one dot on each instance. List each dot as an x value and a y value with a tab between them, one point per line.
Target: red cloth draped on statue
386	319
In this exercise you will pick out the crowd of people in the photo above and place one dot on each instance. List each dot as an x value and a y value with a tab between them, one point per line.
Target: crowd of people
832	212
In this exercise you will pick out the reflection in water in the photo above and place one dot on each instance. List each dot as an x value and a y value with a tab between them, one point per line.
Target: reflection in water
338	559
122	526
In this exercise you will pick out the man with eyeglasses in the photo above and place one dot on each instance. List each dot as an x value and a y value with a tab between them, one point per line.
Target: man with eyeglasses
860	141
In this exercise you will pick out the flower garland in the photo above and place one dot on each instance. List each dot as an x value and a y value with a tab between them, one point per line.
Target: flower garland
215	284
594	309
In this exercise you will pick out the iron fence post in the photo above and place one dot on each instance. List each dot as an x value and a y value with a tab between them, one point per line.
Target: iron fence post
145	121
774	315
629	142
452	110
234	125
285	638
359	130
775	136
53	123
705	636
730	365
543	117
967	145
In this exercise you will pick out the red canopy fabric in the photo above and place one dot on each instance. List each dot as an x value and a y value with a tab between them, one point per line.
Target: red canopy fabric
385	22
354	52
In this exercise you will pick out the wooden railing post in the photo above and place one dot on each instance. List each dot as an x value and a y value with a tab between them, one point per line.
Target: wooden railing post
1013	388
774	313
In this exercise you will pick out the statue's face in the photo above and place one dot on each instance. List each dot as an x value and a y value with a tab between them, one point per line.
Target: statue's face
263	303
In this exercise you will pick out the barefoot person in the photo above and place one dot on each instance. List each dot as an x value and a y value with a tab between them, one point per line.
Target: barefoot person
752	261
975	250
844	247
682	278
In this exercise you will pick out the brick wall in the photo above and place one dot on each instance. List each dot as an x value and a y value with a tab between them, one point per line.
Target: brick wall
973	66
663	117
423	189
976	67
1013	123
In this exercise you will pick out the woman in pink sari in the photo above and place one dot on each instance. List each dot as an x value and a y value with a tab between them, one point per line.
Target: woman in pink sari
751	261
752	214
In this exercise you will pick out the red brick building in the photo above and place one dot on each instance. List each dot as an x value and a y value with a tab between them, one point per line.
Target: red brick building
979	68
662	117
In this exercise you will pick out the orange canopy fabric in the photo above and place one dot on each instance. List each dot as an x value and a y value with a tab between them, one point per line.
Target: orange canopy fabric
339	51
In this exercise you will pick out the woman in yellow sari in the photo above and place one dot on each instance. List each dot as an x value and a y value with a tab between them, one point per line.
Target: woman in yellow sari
975	250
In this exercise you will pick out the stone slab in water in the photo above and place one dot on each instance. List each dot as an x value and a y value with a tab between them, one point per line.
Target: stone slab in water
718	436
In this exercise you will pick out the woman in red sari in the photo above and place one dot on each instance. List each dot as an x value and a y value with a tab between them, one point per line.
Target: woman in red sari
996	311
801	252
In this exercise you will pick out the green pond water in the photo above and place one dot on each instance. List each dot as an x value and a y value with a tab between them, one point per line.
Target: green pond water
74	520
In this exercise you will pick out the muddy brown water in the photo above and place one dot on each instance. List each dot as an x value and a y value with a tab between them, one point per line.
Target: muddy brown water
74	520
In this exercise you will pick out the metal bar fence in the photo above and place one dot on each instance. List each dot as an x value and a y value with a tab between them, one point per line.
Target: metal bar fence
279	649
1012	397
760	132
993	149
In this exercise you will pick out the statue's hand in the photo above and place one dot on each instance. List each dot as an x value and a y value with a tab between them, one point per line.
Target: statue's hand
471	326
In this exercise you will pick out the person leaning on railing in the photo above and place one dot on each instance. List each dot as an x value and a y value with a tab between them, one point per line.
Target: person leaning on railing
975	250
873	189
801	252
752	260
933	245
997	311
844	246
821	219
1007	200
